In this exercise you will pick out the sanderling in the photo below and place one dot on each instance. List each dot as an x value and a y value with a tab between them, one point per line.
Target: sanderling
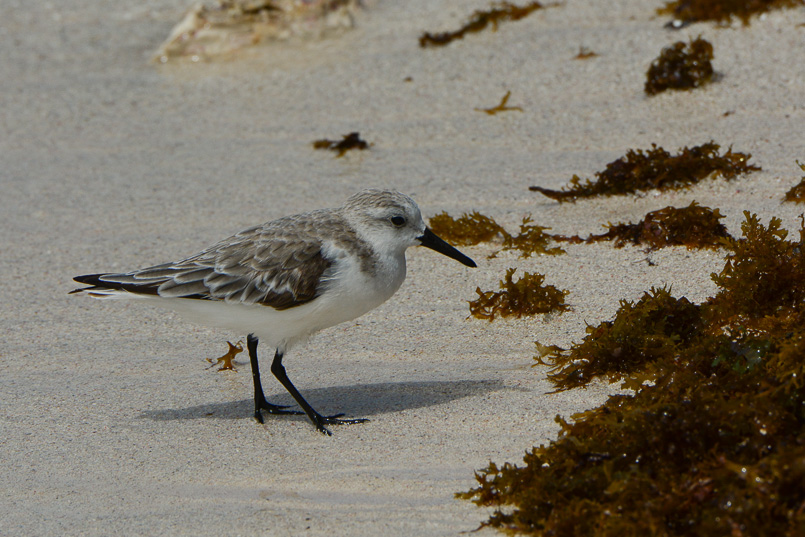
286	279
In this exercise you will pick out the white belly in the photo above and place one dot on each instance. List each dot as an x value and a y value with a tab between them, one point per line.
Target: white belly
346	295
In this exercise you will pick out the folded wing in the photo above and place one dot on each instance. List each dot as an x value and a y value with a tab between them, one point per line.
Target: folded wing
257	266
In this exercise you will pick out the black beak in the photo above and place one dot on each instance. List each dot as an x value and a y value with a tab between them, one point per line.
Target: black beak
432	241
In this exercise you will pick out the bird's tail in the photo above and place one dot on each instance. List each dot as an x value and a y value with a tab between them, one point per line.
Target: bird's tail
106	289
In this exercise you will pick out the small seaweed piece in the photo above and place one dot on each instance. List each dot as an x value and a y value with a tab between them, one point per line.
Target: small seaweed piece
797	193
348	141
584	54
527	296
227	360
532	239
501	107
681	67
467	230
692	226
722	11
502	11
655	169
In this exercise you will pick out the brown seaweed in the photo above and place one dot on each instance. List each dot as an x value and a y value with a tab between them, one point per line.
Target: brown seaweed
693	226
640	171
500	107
467	230
722	11
642	333
532	239
348	142
471	229
584	54
502	11
764	275
227	360
682	66
525	297
797	193
712	439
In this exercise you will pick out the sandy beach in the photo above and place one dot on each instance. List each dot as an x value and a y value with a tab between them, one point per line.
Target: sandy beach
111	422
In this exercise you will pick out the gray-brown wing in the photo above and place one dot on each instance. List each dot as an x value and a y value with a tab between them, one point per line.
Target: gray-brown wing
279	264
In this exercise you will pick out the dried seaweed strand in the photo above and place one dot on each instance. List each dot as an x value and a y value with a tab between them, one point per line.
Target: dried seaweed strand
503	11
640	171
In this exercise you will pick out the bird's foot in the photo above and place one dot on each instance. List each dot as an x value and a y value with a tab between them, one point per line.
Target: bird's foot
272	409
320	421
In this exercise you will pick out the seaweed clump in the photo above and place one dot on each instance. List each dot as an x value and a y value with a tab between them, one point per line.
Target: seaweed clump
643	333
681	67
712	439
797	193
347	142
467	230
503	11
532	239
722	11
471	229
527	296
640	171
763	281
693	226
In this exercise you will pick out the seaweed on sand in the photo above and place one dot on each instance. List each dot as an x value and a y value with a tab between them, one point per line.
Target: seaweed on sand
503	11
501	107
227	360
532	239
693	226
797	193
640	171
682	66
722	11
585	54
642	333
471	229
467	230
712	439
348	142
525	297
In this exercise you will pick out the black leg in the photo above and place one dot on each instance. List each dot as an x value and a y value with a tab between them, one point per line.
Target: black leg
260	402
318	420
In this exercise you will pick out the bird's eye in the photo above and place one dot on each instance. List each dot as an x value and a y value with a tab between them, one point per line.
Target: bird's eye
398	221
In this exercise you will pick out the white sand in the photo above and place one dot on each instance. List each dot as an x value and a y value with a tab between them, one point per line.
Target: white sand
109	422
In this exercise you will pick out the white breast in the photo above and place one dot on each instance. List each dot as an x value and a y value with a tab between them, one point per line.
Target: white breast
353	289
347	293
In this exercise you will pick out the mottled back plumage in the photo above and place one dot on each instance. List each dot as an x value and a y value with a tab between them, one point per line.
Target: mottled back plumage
277	264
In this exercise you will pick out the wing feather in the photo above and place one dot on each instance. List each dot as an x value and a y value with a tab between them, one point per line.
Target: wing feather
171	289
279	264
193	275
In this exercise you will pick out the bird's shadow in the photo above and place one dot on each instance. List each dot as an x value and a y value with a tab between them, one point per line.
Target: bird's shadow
359	400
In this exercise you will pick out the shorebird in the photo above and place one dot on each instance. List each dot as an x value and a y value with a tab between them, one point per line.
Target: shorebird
282	281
